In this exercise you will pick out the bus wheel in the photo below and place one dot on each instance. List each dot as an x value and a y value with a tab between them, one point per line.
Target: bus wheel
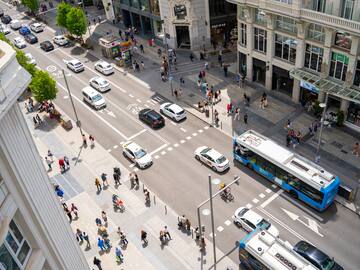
293	194
249	165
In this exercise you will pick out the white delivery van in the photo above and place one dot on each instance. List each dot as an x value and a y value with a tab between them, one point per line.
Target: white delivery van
94	98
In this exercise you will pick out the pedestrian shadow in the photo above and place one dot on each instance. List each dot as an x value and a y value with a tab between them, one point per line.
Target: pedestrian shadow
87	248
98	192
145	244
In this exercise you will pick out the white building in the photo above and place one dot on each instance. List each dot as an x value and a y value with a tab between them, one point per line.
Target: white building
34	232
299	47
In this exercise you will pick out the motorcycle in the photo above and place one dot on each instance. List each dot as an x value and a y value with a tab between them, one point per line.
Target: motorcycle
226	195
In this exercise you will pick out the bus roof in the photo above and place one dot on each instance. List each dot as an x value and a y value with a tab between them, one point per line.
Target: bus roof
273	252
297	165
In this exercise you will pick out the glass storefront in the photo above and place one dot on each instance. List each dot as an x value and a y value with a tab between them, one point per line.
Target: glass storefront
353	115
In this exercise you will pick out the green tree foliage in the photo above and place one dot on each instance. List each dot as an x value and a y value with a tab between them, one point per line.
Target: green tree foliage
43	86
32	5
61	16
76	22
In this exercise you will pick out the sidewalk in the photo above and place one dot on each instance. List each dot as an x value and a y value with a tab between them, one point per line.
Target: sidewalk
78	184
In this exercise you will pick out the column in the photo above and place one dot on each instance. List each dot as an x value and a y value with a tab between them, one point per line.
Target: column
269	51
344	106
296	91
249	45
141	25
321	96
325	66
355	45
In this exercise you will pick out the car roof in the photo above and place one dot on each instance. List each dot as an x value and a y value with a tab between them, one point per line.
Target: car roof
253	217
100	79
176	108
214	154
103	63
74	61
310	250
90	91
14	20
132	146
46	42
36	24
59	36
18	38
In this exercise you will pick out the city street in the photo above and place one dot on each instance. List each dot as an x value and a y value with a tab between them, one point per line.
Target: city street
176	177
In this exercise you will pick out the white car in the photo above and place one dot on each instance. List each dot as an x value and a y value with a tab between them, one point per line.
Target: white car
212	158
60	40
75	65
137	155
4	29
104	67
19	42
250	220
100	84
30	58
172	110
15	24
37	27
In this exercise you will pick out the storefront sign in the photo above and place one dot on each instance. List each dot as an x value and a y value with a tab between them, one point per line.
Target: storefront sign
309	87
220	25
340	57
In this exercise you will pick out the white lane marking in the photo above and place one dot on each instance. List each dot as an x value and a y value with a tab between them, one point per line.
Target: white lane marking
282	224
65	97
211	235
255	201
69	183
137	134
115	146
173	123
169	149
158	149
220	228
136	169
313	226
268	190
163	152
151	102
132	165
122	90
227	222
188	137
206	127
182	141
200	131
130	95
121	143
273	197
138	100
147	106
262	195
157	157
183	129
274	186
109	150
176	145
249	205
157	98
194	134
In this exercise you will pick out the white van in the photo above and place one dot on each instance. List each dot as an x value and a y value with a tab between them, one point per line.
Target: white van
93	98
15	24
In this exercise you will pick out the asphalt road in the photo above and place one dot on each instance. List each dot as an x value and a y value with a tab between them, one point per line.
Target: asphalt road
176	177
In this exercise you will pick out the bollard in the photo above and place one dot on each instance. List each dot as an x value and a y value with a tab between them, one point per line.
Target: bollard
143	187
154	200
165	210
221	125
192	233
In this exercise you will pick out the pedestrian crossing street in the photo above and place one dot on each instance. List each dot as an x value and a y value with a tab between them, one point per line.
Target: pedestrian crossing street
187	68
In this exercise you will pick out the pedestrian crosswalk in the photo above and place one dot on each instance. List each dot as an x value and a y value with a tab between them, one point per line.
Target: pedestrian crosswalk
188	67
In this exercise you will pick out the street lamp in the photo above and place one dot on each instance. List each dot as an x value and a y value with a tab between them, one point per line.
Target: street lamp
323	106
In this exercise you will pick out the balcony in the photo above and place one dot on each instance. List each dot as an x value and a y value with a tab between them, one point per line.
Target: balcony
330	21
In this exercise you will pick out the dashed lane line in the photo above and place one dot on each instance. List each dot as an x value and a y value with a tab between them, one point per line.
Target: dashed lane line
268	190
262	195
220	228
109	150
227	222
173	123
115	146
182	141
176	145
194	134
255	201
157	157
138	100
200	131
163	152
206	127
188	137
249	205
169	149
130	95
183	129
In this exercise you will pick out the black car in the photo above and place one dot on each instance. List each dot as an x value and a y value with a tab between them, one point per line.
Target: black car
46	46
1	12
316	256
152	118
31	38
6	19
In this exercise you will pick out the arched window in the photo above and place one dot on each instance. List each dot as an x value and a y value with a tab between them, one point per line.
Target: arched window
316	32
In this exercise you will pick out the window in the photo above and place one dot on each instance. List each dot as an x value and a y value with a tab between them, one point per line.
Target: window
313	57
260	40
316	32
353	115
319	5
260	17
135	3
242	13
15	251
144	5
356	79
347	9
338	66
285	48
155	8
285	24
242	39
126	2
343	40
289	2
311	192
180	12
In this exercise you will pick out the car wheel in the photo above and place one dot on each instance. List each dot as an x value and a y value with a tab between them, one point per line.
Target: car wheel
124	155
161	111
293	194
197	157
214	168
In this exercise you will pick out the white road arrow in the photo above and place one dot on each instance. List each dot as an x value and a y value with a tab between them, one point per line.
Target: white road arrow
312	223
111	114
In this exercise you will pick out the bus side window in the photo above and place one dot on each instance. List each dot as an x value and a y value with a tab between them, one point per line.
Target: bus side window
295	183
283	175
311	192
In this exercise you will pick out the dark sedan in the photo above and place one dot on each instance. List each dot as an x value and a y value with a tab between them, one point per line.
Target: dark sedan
31	38
46	46
152	118
316	256
6	19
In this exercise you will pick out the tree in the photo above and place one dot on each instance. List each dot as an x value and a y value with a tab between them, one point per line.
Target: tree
76	22
32	5
43	86
62	11
24	62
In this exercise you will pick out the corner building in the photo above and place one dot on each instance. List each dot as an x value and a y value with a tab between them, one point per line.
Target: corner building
34	232
303	48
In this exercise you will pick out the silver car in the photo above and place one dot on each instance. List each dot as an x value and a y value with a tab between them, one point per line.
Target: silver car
100	84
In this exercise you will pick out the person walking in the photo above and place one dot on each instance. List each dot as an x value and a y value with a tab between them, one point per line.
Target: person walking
166	233
356	149
79	236
68	213
84	140
176	93
225	70
61	165
119	255
123	239
75	210
142	65
48	162
237	114
86	238
104	217
101	244
191	57
50	155
92	141
67	162
97	184
245	118
143	235
97	262
141	48
159	52
104	179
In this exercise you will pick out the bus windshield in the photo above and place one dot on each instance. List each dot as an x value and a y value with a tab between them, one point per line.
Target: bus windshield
327	264
264	224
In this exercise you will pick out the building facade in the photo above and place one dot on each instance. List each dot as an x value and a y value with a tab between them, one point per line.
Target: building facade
34	232
303	48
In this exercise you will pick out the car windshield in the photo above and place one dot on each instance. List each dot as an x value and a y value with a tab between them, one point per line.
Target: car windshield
140	153
96	98
264	224
221	160
242	212
205	150
78	64
327	264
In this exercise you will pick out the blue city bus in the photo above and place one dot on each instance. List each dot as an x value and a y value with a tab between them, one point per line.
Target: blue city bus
300	177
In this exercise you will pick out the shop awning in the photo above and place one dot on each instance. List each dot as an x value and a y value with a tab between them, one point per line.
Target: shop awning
326	85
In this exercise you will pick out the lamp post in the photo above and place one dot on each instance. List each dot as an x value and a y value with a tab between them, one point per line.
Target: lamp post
323	106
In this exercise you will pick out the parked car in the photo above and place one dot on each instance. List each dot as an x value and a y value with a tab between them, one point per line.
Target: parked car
250	220
15	24
137	154
93	98
19	42
46	46
4	29
31	38
100	84
75	65
173	111
212	158
30	58
6	19
60	40
152	118
316	256
37	27
24	30
104	67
